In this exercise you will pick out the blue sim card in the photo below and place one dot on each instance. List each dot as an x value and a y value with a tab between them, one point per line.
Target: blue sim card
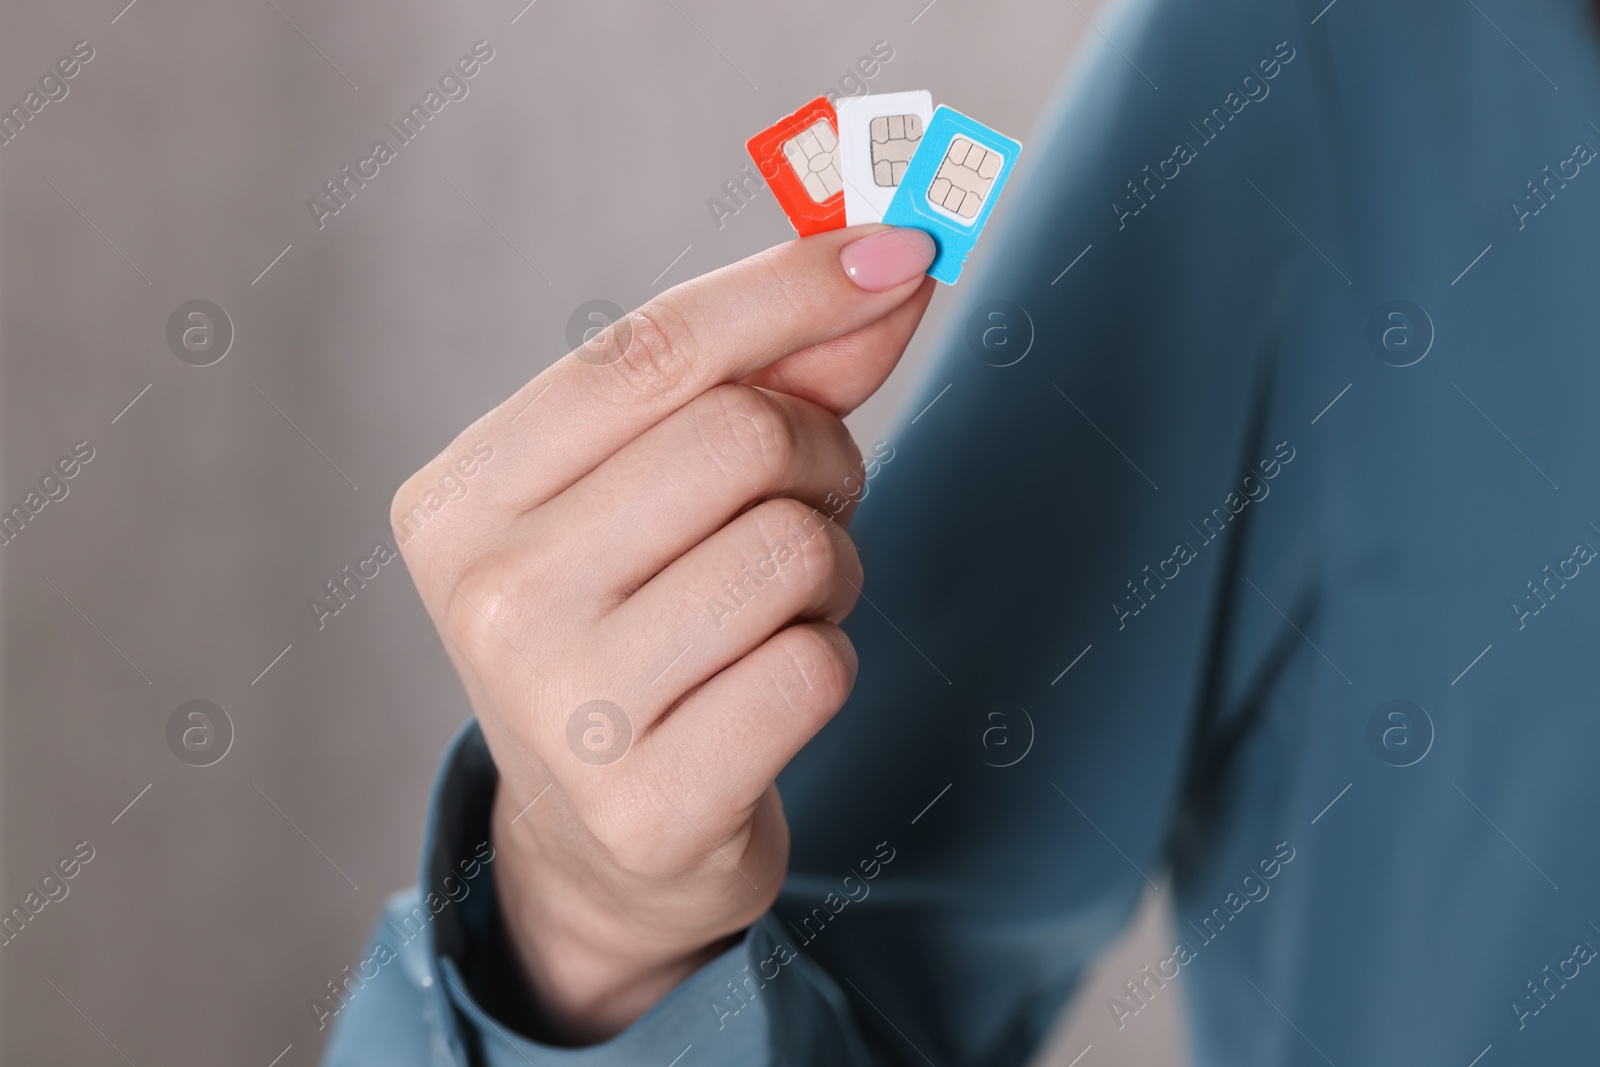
951	185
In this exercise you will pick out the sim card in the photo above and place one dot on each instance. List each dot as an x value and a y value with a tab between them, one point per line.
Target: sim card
798	156
951	186
878	135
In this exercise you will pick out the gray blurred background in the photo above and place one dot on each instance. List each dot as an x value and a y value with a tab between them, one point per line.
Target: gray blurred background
178	567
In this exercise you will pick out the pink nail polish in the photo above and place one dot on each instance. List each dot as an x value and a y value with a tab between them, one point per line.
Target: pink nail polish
886	259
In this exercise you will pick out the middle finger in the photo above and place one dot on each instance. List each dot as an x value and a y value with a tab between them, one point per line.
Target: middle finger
686	477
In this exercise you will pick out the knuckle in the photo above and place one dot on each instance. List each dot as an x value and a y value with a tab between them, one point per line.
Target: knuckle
640	856
814	671
750	428
406	509
793	530
776	282
644	824
481	614
658	360
637	839
855	462
848	486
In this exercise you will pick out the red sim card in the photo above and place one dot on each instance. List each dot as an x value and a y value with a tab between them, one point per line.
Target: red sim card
799	157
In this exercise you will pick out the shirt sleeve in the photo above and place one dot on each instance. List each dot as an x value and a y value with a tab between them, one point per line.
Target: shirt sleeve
1044	587
436	961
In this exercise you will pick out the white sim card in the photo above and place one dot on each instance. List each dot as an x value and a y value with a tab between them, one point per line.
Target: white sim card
878	134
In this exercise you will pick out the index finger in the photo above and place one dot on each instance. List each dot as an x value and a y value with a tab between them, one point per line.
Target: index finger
720	327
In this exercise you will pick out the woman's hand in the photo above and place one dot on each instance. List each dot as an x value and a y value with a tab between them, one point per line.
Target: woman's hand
642	592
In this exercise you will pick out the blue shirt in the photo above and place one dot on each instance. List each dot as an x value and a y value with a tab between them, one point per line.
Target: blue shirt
1263	572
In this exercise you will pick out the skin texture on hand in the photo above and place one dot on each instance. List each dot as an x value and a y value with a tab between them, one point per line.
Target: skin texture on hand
690	456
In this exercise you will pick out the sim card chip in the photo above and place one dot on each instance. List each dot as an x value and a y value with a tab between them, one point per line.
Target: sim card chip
799	157
813	154
879	137
961	184
894	141
951	185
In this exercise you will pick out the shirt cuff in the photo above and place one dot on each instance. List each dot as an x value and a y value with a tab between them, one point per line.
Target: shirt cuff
729	1011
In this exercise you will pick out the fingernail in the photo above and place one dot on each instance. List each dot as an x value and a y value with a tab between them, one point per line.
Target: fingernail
888	258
